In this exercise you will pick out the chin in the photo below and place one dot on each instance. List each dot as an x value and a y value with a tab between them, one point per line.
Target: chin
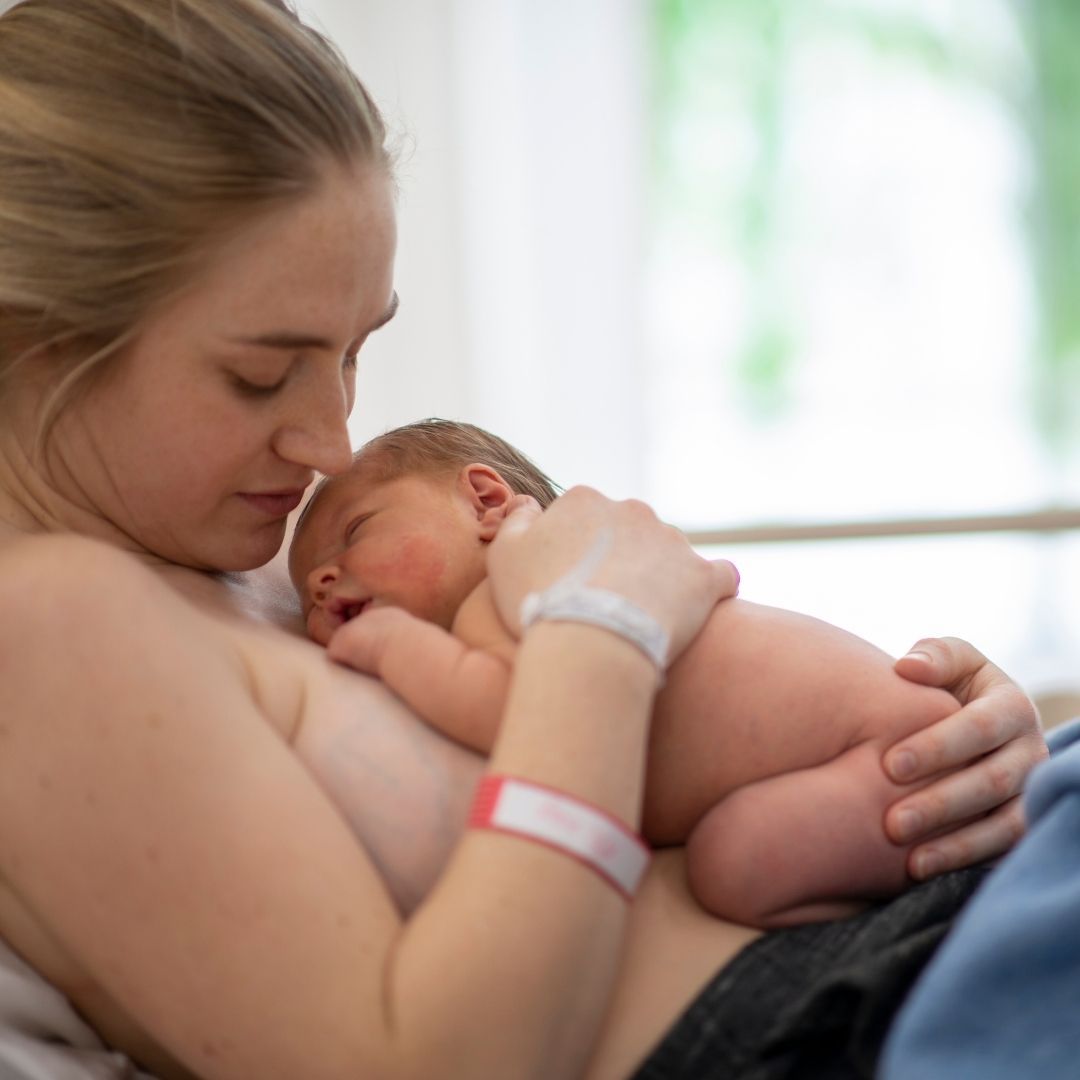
248	553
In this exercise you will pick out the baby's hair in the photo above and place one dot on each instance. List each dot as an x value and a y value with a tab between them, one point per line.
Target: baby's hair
435	446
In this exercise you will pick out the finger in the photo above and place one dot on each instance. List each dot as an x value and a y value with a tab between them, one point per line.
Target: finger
960	795
940	661
1004	713
727	574
356	643
522	512
984	839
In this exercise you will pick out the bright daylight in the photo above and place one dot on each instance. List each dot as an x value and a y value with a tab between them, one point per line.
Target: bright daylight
760	264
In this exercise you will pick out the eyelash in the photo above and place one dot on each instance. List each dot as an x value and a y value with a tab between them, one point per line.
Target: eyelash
354	527
258	390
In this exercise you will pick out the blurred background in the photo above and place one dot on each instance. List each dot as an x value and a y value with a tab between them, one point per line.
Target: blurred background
761	264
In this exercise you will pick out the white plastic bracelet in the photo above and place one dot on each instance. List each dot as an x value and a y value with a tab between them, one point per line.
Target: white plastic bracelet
565	823
570	599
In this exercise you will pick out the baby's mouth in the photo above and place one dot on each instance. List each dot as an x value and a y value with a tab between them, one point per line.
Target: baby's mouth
348	609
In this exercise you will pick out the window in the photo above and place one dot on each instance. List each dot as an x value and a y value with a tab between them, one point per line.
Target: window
758	261
860	308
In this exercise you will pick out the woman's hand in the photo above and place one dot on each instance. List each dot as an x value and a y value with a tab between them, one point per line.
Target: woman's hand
996	734
646	562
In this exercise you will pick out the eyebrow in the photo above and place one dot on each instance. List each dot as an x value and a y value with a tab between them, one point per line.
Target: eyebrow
291	340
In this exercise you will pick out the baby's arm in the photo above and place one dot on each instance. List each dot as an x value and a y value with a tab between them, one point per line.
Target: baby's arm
457	689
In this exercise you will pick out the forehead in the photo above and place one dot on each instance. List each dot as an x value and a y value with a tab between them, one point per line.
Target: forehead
320	535
322	262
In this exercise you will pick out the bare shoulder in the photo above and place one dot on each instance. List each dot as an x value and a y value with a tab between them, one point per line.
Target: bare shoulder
45	566
66	596
75	585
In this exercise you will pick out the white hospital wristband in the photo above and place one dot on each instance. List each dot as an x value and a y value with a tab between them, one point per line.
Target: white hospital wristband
567	824
571	599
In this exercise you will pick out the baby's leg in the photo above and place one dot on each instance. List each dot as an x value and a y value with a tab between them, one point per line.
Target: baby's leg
799	846
762	692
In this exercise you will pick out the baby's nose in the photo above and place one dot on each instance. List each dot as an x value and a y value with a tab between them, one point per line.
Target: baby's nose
320	581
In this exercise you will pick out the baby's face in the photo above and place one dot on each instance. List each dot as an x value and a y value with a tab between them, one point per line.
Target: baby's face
411	542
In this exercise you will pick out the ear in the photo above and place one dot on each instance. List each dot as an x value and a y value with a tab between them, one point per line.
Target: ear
488	494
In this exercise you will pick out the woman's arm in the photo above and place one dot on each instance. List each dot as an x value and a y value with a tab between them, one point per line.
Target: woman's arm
997	733
161	829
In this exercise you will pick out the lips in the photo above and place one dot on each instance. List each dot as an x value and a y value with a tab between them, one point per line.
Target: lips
326	618
274	504
347	609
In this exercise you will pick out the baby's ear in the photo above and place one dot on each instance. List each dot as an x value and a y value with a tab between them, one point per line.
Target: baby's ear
489	496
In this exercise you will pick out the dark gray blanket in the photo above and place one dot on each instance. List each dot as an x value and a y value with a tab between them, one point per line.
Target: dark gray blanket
815	1000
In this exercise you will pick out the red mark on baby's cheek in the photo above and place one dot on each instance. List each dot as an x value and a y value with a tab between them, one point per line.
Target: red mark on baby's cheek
415	560
426	557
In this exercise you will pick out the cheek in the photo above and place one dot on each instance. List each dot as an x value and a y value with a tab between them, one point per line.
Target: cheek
317	627
412	566
418	562
188	439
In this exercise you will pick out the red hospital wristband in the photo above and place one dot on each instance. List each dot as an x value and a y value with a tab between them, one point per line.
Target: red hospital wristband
565	823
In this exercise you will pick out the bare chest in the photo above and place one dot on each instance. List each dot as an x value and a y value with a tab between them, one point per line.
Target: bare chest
401	787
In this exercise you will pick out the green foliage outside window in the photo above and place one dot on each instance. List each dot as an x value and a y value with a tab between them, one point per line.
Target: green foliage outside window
713	56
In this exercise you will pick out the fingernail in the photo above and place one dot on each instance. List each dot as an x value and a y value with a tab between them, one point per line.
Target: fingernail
902	764
909	823
929	864
919	654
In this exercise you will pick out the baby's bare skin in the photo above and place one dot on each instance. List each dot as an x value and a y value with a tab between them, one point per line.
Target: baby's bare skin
765	742
768	715
403	791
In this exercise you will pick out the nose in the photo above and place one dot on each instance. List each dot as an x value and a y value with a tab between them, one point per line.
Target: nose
321	581
316	434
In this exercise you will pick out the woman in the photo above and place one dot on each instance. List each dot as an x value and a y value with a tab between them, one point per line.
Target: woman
234	859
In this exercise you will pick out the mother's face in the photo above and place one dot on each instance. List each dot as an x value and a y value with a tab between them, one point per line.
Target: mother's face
200	438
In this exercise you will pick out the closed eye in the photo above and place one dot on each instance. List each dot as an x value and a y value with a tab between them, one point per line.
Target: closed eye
353	527
254	389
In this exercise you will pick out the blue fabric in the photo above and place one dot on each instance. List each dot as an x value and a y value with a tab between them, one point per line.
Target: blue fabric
999	1000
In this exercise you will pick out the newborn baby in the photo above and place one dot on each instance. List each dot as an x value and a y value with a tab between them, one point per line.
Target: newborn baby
766	740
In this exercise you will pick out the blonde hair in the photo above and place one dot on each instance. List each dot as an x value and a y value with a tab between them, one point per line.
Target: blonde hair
136	135
437	447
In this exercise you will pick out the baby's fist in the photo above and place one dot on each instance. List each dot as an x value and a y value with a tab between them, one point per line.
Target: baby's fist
361	642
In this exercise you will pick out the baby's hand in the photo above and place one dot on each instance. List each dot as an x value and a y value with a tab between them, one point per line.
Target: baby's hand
361	642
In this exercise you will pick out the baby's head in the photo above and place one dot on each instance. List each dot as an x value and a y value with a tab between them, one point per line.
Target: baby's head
408	524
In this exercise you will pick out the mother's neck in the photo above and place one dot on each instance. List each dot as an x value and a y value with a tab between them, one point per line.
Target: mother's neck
31	505
264	595
34	497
